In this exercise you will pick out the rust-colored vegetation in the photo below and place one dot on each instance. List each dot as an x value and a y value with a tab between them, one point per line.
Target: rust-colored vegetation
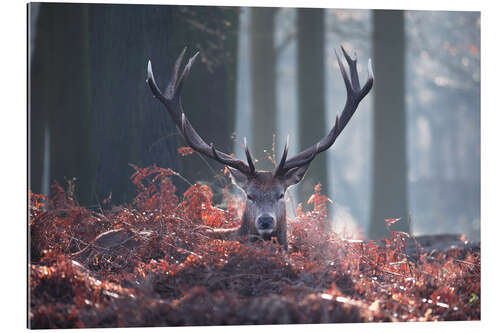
149	263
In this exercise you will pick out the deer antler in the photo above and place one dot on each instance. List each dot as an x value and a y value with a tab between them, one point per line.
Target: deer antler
172	101
354	96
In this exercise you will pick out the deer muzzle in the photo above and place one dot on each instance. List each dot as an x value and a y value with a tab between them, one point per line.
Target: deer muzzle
265	224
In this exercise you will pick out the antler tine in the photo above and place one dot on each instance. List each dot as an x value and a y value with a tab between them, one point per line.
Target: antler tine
354	96
249	157
352	67
172	101
279	168
347	81
185	74
152	83
369	82
167	100
170	90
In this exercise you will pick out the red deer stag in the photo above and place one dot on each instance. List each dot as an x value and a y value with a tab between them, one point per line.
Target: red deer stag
265	214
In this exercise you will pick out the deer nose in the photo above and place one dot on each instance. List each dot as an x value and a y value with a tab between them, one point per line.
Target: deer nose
265	222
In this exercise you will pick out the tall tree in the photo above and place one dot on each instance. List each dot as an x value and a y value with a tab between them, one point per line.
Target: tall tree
60	99
131	128
88	88
263	69
311	92
146	133
389	187
210	93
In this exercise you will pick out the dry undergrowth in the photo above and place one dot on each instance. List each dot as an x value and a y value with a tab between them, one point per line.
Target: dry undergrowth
160	269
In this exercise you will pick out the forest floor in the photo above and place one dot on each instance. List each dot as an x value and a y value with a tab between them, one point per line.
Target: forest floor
149	263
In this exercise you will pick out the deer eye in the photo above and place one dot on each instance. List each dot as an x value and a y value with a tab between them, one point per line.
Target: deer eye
250	197
282	195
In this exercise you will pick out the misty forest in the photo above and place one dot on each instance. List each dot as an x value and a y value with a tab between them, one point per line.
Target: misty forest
384	226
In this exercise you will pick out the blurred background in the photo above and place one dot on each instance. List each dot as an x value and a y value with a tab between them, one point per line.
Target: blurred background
411	151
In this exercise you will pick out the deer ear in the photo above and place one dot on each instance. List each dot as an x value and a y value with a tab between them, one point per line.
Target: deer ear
295	175
239	178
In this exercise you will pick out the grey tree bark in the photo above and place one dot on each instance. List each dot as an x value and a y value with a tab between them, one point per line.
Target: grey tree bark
311	93
263	69
60	99
88	87
389	185
131	126
209	96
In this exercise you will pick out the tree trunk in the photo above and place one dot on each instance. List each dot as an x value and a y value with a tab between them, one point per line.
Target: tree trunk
311	93
263	69
88	87
60	99
389	187
209	96
131	127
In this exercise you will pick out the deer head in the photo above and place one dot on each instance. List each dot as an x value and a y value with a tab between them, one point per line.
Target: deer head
265	214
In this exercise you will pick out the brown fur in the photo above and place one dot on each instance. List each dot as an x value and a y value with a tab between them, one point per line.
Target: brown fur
266	189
